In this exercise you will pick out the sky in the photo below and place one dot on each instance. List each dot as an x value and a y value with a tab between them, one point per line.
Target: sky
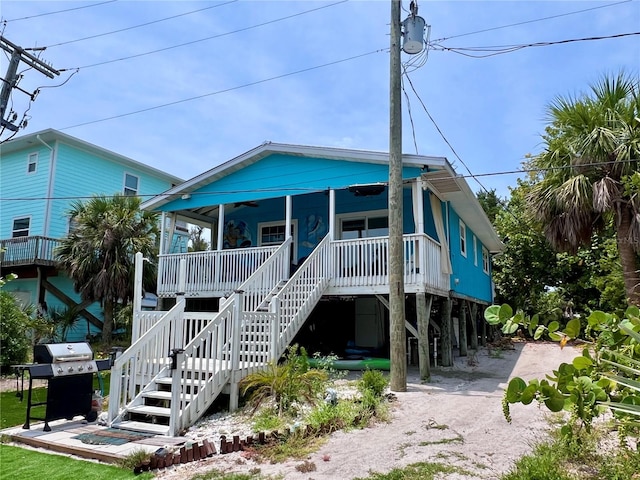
186	85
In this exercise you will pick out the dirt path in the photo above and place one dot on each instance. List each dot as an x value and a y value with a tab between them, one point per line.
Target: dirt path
456	419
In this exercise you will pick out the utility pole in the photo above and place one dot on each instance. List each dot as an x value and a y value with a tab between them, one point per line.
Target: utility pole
412	44
397	333
11	79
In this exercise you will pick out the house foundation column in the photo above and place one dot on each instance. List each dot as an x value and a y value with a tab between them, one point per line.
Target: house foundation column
462	327
445	333
423	314
474	326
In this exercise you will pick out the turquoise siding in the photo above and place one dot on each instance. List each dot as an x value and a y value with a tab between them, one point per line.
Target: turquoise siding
280	175
79	332
71	171
312	214
468	279
17	185
29	286
107	178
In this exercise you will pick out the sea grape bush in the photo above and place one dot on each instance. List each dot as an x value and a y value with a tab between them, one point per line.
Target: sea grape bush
605	377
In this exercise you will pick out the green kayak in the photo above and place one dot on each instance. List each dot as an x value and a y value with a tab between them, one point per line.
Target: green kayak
367	363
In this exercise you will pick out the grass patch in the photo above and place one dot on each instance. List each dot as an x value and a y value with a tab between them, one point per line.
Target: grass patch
416	471
22	464
219	475
444	441
577	458
13	412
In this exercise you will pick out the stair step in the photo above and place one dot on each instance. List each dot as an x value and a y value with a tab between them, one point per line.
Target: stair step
188	381
149	410
162	395
157	394
143	427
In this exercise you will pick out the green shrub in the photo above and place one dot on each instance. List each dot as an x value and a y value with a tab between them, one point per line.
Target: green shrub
373	381
14	330
288	383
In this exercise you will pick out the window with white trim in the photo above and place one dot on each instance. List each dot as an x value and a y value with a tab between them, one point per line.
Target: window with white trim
475	251
485	260
21	227
32	163
131	185
364	225
273	233
463	239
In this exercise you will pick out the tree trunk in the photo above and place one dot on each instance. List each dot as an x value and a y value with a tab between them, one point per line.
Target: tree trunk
107	325
628	257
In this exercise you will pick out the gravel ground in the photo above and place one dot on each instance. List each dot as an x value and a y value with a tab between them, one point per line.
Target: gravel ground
455	419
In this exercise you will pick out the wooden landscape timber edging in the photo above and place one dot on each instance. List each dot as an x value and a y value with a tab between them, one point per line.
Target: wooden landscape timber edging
191	452
163	458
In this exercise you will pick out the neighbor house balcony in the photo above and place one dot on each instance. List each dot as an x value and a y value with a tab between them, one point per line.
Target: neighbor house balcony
24	251
358	267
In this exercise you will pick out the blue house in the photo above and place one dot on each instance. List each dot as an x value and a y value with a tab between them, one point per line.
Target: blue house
41	174
300	240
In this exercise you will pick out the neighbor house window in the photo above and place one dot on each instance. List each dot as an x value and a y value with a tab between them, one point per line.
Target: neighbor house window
463	239
130	185
485	260
32	163
21	227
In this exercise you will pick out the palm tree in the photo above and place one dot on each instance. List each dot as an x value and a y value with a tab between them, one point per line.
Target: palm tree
98	254
592	146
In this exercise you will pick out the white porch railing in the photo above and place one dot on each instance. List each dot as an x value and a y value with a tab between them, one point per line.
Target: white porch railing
210	273
363	262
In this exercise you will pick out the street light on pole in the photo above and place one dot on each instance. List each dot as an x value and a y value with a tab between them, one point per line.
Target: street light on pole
413	43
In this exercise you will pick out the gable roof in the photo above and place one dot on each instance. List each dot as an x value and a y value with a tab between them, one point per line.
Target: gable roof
436	171
50	135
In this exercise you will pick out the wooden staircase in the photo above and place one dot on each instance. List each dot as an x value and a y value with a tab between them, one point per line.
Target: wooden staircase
253	327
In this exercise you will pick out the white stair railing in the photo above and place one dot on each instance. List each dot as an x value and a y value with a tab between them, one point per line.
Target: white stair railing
299	296
144	359
211	356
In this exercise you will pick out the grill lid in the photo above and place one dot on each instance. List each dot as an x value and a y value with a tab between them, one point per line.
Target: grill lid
62	352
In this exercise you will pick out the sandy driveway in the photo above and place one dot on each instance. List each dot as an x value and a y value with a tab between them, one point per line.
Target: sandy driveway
456	419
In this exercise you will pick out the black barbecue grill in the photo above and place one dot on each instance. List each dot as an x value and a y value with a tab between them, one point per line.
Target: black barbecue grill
68	369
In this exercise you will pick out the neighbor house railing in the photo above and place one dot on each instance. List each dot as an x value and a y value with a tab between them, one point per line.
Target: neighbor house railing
28	251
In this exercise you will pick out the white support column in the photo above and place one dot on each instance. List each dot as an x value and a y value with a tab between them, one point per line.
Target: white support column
163	227
332	214
288	214
418	205
137	296
220	227
234	390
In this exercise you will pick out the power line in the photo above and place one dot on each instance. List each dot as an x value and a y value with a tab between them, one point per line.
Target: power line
214	36
530	21
60	11
499	50
309	189
230	89
140	25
